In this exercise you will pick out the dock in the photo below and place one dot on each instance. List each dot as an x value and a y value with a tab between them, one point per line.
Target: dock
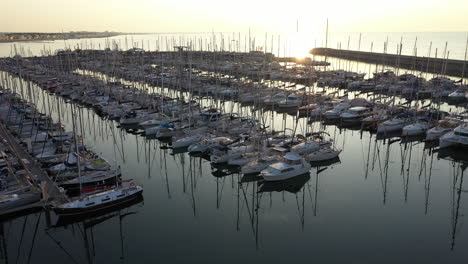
35	175
442	66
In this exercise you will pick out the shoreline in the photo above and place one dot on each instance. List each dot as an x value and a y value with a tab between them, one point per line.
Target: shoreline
51	40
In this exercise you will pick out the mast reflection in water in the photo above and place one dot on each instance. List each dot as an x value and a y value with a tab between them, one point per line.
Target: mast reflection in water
386	200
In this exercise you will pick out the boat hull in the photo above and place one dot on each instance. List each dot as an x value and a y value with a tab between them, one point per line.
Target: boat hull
451	140
64	220
97	209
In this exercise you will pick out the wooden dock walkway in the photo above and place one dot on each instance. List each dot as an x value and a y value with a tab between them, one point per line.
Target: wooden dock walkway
36	175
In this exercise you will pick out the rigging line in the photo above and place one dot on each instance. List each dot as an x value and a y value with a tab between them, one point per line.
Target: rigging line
62	248
251	217
34	238
21	239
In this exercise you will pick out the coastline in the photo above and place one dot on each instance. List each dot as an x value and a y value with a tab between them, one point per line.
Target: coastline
55	39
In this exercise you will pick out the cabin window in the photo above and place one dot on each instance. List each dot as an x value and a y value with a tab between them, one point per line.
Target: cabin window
461	134
105	199
288	169
89	204
293	162
120	195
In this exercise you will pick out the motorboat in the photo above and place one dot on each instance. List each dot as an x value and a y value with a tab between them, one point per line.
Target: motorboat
457	137
293	165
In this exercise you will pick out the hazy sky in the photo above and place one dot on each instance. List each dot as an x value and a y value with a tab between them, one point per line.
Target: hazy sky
232	16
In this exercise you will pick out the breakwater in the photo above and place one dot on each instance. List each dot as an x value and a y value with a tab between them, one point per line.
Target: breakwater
441	66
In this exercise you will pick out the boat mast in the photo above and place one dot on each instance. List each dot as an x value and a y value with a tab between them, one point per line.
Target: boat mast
464	62
76	147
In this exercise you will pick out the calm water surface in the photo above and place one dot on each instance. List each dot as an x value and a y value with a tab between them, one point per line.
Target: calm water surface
383	202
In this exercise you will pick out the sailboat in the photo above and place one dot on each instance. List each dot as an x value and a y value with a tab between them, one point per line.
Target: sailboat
100	201
97	202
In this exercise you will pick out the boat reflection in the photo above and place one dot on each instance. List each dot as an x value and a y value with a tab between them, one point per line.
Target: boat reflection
410	139
459	159
317	164
292	185
224	170
86	227
250	178
453	154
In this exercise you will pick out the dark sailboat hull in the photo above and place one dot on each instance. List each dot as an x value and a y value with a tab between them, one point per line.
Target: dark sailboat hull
74	189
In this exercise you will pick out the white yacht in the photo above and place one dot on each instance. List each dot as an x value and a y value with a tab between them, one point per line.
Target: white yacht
457	137
292	166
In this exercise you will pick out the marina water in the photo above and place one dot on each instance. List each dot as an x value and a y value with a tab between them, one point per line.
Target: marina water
385	201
